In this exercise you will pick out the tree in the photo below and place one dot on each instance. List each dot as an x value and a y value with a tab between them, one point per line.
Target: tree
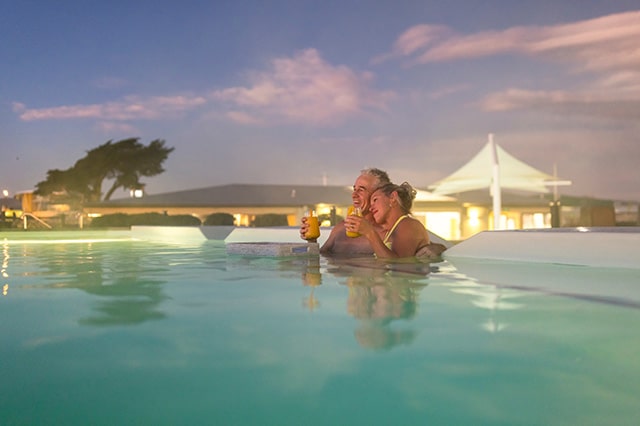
123	162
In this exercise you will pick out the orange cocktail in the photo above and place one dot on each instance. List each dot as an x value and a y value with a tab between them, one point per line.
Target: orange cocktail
314	226
353	211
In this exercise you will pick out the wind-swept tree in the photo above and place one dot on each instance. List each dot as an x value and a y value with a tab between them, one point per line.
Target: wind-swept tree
123	163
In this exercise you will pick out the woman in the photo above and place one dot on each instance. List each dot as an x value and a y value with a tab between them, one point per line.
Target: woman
390	206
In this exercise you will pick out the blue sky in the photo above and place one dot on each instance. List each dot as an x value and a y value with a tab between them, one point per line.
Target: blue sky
291	91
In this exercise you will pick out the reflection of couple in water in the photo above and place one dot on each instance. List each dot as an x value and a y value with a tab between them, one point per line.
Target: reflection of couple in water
381	293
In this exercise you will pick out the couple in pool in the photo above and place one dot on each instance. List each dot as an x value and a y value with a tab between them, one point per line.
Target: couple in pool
386	226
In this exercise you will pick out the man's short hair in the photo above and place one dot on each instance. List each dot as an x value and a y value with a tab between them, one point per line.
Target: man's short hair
381	176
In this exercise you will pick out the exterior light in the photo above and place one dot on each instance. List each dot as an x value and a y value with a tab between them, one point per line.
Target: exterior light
474	217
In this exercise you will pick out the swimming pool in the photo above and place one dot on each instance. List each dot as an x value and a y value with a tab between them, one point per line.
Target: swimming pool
105	329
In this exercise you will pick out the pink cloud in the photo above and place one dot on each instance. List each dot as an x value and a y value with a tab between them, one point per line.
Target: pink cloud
110	127
306	89
447	91
586	103
130	108
419	37
242	117
606	47
600	43
303	88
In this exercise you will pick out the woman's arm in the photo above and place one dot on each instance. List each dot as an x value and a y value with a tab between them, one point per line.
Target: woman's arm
366	229
407	238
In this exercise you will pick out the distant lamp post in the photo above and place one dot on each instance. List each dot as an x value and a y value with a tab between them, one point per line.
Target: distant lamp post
5	193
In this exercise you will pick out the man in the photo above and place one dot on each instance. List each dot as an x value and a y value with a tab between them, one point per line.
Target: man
338	242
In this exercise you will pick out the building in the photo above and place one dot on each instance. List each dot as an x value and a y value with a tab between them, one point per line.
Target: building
453	218
243	201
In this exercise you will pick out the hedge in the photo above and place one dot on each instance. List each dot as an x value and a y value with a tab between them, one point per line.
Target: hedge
121	220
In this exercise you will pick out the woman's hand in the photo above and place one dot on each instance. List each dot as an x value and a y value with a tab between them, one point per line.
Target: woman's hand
358	224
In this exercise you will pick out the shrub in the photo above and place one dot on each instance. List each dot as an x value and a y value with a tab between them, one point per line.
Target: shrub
270	219
122	220
183	220
219	219
116	220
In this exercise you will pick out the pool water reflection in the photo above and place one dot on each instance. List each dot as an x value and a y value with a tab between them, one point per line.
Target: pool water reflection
131	332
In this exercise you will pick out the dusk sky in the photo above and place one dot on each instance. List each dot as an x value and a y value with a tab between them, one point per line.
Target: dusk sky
288	91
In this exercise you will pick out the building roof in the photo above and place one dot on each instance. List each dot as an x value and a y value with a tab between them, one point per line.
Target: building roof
239	195
256	195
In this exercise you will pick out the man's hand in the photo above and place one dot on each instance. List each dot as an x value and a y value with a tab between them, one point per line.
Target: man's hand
304	227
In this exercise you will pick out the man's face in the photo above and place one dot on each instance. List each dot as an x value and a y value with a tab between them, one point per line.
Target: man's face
362	189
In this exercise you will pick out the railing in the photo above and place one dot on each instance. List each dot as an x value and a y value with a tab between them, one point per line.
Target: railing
32	216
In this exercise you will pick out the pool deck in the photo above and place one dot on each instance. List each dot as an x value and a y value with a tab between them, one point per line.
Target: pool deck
615	247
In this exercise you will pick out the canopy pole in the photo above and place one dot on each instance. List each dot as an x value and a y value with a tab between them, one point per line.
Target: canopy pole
495	184
555	182
555	204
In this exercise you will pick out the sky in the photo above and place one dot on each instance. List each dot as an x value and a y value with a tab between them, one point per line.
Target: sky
308	92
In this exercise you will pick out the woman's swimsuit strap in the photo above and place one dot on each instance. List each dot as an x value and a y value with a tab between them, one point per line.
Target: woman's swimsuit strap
393	228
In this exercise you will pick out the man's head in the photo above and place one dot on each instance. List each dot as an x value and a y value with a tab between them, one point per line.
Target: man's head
382	178
368	181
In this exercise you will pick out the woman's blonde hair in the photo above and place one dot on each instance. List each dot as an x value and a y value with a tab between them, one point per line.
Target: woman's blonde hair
406	194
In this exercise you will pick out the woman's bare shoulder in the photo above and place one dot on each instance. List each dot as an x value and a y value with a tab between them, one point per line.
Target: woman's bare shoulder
410	223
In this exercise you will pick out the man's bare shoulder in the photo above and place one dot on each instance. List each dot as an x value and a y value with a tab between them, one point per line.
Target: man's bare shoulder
340	226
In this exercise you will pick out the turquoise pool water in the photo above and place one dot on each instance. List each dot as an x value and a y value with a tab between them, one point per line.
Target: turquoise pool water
103	330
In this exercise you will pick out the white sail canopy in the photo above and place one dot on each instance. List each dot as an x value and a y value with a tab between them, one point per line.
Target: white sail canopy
478	174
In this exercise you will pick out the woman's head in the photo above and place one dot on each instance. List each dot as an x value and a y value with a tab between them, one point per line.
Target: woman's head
402	194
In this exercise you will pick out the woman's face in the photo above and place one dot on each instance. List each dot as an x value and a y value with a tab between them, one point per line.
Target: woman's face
380	206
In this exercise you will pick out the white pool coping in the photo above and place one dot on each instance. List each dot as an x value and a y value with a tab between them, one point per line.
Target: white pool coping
617	247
